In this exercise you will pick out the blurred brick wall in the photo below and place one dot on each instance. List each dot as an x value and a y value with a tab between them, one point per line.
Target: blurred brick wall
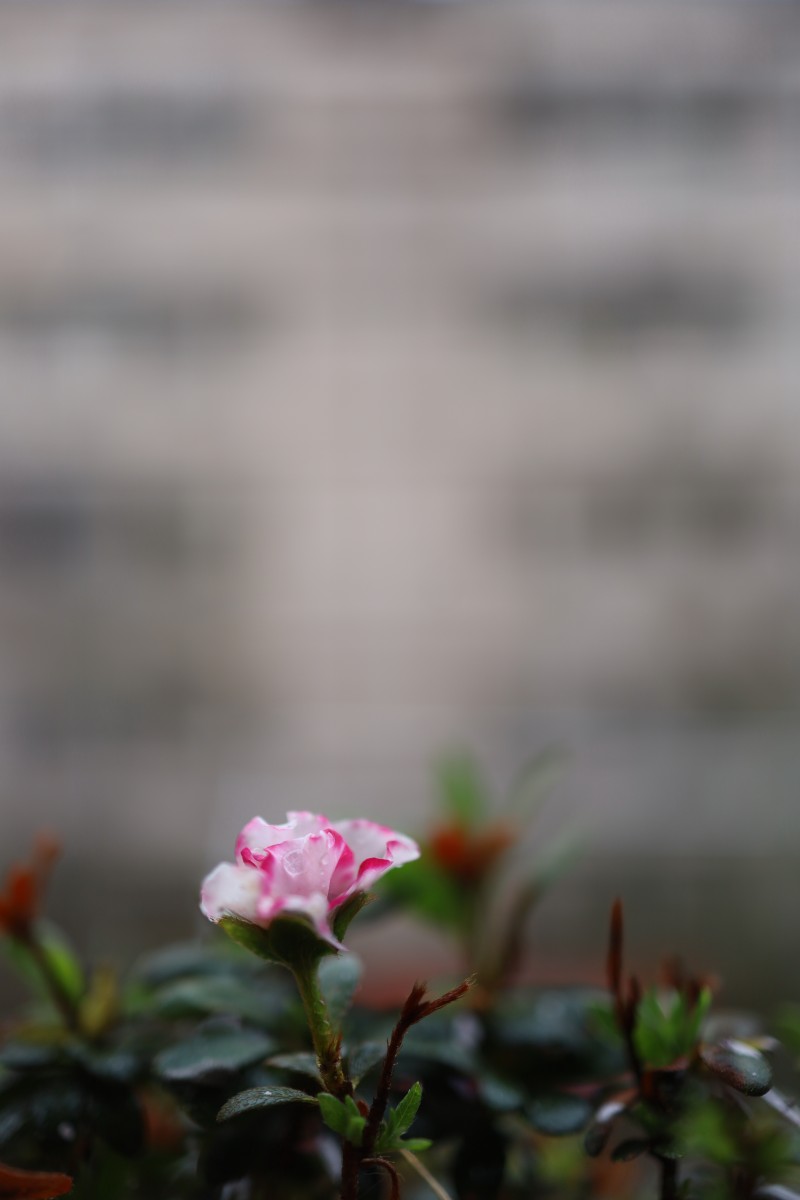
378	377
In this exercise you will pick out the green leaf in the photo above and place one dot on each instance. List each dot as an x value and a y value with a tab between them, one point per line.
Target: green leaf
338	979
498	1094
223	994
61	960
462	790
342	1117
443	1049
667	1027
302	1062
334	1113
558	1114
415	1145
698	1017
29	1056
363	1058
739	1065
214	1050
38	1104
105	1063
398	1120
262	1097
405	1112
190	960
549	1019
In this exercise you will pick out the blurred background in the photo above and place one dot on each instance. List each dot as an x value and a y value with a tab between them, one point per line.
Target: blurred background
379	378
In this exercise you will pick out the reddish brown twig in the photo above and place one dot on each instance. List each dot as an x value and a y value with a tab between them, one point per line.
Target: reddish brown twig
415	1009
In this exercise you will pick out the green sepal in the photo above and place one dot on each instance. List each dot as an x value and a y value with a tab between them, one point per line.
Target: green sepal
350	909
288	940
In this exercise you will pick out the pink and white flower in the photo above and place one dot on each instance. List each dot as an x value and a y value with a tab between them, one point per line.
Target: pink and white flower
308	867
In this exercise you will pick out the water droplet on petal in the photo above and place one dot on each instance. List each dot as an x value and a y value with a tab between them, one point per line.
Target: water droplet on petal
293	863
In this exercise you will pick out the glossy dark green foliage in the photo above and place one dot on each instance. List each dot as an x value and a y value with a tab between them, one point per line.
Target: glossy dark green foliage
521	1086
52	1110
343	1117
215	1051
558	1114
551	1035
363	1058
739	1065
203	979
273	1147
301	1062
261	1098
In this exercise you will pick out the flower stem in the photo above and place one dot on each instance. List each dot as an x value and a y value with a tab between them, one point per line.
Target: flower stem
327	1044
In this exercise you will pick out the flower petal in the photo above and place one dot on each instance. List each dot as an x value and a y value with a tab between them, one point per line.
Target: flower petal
304	866
307	866
258	835
231	890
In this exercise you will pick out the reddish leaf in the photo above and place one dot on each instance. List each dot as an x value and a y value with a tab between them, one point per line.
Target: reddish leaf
16	1184
23	887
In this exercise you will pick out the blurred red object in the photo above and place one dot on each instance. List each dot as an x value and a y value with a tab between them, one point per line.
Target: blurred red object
23	889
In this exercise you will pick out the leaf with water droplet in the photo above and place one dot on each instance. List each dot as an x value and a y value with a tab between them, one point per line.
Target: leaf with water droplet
262	1097
739	1065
